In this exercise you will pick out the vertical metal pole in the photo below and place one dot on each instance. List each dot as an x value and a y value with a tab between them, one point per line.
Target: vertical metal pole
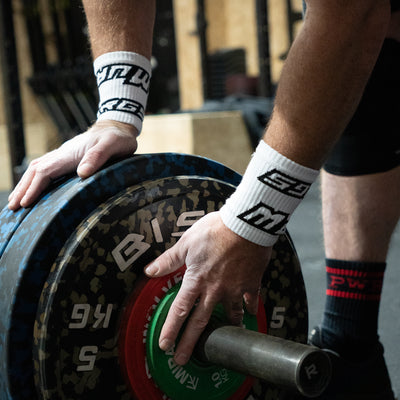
292	17
265	83
290	20
11	88
201	31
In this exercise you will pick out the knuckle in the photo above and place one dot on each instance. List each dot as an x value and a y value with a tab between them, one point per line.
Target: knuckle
42	169
33	165
199	322
180	310
169	259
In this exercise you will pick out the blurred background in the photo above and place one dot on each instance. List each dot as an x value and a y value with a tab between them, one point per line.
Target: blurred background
216	64
208	56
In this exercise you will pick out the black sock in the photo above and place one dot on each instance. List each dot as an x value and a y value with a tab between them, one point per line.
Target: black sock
350	324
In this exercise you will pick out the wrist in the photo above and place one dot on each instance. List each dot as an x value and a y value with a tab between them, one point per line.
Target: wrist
120	126
271	189
123	80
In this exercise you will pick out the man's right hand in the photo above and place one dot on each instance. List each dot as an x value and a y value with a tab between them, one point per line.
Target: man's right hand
86	153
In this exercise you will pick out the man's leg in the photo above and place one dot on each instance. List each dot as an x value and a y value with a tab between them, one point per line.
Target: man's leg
359	216
360	207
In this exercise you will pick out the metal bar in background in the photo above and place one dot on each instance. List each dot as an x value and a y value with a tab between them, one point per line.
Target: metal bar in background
60	43
11	87
264	58
78	90
43	78
292	17
201	26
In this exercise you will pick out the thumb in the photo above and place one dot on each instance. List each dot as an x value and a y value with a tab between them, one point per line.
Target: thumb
171	260
92	161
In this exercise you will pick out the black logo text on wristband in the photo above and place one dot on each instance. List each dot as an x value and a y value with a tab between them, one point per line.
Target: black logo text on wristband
266	219
129	74
122	105
285	184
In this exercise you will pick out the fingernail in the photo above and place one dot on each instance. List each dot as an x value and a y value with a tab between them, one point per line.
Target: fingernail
166	344
152	269
181	358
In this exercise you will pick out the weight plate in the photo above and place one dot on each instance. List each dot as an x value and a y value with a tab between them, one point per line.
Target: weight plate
83	346
9	221
32	239
197	380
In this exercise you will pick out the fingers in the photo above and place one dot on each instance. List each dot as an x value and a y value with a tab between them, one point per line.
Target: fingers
36	179
221	268
234	310
97	155
15	197
116	139
251	300
180	309
177	314
87	152
92	161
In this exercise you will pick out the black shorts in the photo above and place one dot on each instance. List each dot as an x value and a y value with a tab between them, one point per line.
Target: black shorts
395	5
371	141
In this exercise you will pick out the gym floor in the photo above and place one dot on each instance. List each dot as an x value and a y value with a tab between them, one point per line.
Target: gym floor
309	246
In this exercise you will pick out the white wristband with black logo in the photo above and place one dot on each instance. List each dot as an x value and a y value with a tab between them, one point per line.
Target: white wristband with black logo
271	189
123	80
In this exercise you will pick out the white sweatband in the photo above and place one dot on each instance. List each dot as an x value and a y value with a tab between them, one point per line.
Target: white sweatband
268	194
123	80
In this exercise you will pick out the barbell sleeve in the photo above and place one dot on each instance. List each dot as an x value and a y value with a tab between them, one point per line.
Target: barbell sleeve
299	367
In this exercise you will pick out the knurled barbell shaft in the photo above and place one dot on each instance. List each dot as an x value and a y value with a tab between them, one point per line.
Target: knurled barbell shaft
299	367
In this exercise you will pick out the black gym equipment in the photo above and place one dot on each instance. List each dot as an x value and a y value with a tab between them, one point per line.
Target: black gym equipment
80	320
11	90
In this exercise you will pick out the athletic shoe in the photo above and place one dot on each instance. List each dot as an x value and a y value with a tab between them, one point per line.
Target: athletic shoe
365	380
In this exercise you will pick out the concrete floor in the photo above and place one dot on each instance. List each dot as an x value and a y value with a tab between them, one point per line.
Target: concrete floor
309	246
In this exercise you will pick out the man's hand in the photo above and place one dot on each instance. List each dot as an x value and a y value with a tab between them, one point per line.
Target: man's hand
221	268
86	153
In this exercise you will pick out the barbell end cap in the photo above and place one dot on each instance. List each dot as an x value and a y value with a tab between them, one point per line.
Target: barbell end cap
314	373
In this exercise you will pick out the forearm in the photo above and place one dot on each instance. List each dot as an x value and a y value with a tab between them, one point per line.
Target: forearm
323	79
120	25
320	87
121	39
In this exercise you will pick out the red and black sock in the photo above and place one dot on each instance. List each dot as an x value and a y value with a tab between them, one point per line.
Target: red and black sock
353	296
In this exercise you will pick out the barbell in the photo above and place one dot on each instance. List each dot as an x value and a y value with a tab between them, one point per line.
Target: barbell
80	320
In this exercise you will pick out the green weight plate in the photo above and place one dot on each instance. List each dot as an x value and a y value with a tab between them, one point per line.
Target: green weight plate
200	380
83	348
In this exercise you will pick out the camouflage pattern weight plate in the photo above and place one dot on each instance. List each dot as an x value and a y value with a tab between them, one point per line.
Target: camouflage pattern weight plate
81	347
81	318
31	239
